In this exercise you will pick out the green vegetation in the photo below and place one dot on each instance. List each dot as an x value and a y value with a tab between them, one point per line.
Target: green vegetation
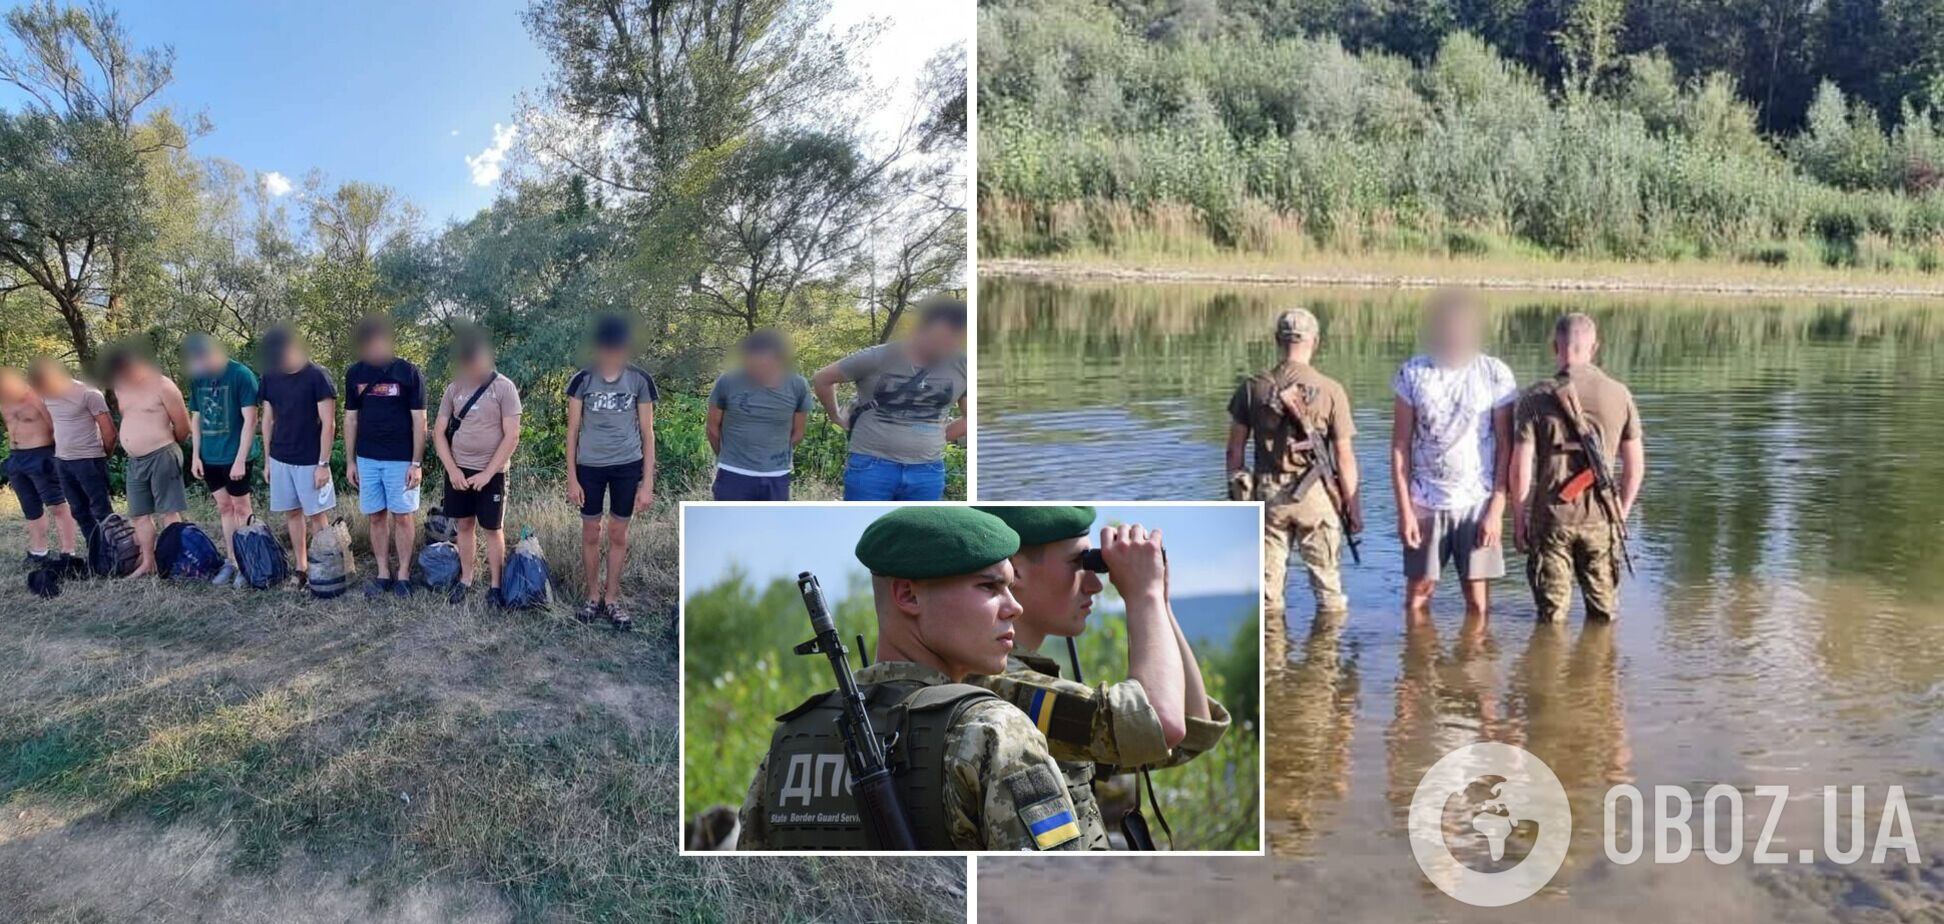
741	674
1104	130
719	212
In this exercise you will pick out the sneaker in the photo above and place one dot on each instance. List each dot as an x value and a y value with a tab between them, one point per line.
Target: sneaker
494	598
299	580
240	582
591	611
377	587
38	560
225	575
457	594
401	587
619	617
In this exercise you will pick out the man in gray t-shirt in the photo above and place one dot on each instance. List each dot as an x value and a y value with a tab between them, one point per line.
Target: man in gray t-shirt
611	456
901	420
756	418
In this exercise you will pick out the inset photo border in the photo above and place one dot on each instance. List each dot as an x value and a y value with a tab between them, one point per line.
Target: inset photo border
746	661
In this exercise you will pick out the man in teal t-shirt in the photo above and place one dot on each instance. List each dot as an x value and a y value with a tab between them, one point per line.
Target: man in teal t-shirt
223	420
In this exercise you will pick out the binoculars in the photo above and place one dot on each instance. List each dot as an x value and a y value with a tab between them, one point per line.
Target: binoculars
1093	561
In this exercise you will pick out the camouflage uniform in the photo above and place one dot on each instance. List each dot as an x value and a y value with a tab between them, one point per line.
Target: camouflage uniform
1281	459
1111	724
1002	790
1572	541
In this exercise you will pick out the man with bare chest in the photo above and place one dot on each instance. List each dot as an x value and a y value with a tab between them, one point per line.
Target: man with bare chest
30	469
154	421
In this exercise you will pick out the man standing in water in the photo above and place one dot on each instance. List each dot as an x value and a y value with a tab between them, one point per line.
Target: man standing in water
1450	448
384	449
1291	413
154	421
900	422
30	469
1570	524
477	430
756	419
84	438
223	418
611	458
1160	716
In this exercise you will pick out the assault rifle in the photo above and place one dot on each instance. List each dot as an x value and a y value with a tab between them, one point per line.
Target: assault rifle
1323	467
884	816
1598	475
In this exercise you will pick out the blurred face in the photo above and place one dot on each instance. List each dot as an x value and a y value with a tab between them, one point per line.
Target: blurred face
378	349
208	363
478	364
13	385
966	621
938	339
293	358
763	365
50	379
1455	332
609	357
1055	593
137	372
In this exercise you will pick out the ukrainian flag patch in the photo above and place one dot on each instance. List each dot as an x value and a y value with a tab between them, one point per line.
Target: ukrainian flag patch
1040	710
1051	823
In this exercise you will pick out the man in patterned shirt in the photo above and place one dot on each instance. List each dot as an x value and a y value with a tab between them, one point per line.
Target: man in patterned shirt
1450	449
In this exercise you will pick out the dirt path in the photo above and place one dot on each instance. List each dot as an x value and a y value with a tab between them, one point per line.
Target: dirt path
1334	277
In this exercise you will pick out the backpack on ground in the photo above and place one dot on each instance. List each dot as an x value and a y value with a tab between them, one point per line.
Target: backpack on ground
525	584
438	527
45	581
438	565
331	565
112	551
260	557
185	552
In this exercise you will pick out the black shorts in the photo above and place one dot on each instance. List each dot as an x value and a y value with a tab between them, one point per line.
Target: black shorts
216	478
618	482
487	505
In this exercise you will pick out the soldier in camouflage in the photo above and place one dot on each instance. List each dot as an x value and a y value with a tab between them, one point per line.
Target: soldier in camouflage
1158	717
971	771
1287	413
1569	531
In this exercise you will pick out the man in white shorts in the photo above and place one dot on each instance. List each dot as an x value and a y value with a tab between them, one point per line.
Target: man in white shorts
299	427
1450	448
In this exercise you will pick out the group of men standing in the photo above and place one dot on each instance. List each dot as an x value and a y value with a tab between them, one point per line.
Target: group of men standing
1467	444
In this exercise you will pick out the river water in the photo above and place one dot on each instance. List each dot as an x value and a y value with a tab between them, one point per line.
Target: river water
1786	625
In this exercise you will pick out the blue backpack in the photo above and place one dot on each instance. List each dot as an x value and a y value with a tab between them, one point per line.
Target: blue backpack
525	585
260	556
185	552
438	565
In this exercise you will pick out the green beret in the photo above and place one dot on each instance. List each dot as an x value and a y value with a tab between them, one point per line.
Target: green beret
1041	525
934	542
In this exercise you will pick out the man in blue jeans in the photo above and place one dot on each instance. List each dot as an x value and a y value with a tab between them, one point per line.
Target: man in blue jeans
901	420
384	441
756	419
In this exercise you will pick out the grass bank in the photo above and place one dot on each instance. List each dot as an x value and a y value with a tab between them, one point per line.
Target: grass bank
174	752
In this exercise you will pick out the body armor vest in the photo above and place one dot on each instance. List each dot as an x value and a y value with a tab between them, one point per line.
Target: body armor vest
806	785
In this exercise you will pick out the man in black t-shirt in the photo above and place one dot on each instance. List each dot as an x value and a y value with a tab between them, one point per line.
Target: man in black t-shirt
384	439
299	425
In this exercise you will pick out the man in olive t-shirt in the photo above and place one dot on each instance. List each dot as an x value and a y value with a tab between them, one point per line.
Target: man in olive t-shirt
901	420
1569	525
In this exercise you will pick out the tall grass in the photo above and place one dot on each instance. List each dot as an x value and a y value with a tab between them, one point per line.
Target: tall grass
1093	138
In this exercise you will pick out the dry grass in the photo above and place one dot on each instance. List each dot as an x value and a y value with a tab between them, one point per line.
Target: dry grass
174	752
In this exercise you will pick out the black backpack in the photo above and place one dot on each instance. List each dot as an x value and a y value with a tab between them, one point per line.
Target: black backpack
112	551
260	556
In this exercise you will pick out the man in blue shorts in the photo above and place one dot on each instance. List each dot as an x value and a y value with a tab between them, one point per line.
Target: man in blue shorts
384	443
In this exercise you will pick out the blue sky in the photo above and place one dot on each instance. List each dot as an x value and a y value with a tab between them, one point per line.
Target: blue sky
1212	549
400	93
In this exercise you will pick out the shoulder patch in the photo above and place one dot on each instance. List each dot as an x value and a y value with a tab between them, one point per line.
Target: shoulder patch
1036	796
1059	716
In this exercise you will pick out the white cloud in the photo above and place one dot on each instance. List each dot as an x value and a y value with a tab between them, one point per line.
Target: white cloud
455	133
486	165
276	184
